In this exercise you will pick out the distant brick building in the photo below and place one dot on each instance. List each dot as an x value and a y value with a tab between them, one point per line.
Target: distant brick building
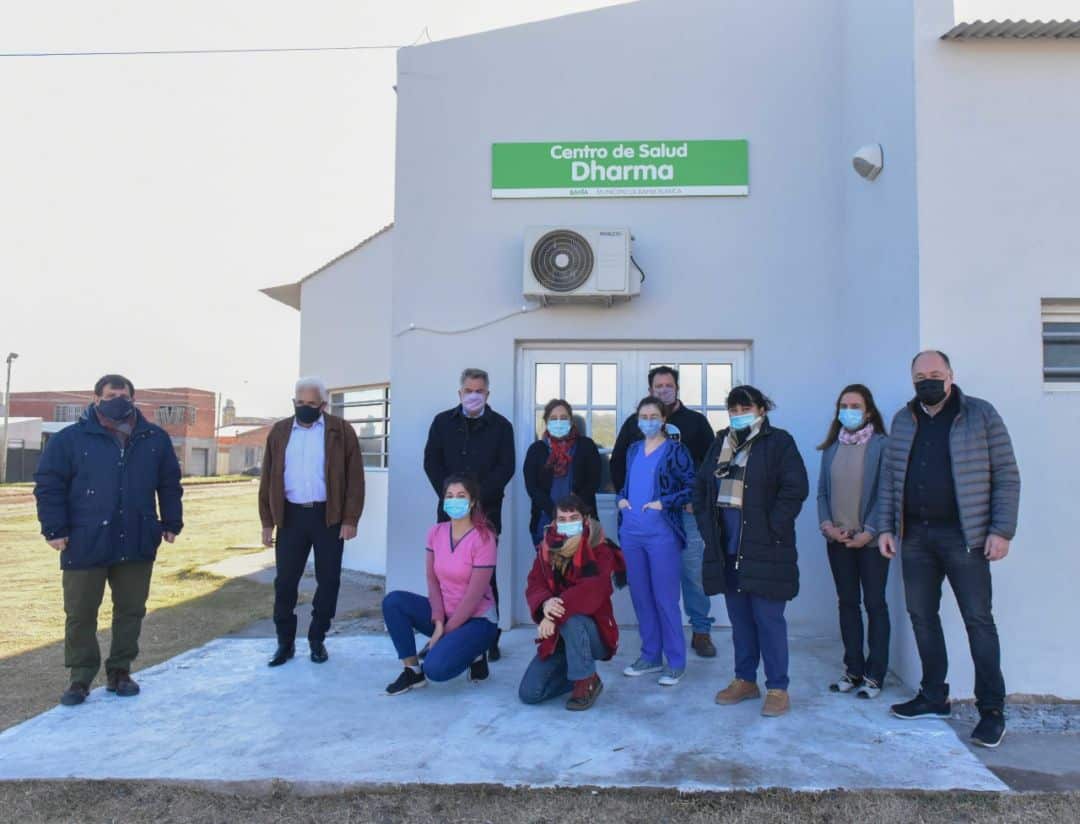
187	414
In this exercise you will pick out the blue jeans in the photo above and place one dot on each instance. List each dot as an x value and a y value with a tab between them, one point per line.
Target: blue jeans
695	601
406	613
758	632
574	659
929	555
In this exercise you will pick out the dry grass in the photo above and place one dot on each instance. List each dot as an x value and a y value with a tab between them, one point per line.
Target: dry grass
187	607
277	803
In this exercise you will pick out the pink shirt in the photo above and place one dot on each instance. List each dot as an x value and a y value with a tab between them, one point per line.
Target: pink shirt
454	567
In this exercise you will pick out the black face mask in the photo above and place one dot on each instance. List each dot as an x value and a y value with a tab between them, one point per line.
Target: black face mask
307	415
930	392
116	409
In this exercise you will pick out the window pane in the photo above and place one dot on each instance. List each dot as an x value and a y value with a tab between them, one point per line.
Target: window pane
539	422
374	445
369	429
718	419
374	460
719	380
577	384
690	383
604	379
368	412
357	395
547	382
602	428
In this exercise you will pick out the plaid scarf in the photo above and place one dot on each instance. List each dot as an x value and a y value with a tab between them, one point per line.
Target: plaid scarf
731	467
858	438
561	455
120	430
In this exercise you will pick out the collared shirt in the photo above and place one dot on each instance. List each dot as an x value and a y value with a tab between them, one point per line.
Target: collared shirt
305	463
929	490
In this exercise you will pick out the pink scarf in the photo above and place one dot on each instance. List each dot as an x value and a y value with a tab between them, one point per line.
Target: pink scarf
858	438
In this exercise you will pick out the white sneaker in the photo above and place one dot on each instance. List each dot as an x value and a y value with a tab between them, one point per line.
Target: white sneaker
641	667
846	683
671	677
869	689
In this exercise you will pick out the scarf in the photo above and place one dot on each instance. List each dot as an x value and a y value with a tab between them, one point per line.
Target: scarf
858	438
561	453
565	552
120	430
731	467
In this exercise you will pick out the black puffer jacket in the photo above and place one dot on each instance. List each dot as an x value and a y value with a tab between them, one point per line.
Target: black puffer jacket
775	486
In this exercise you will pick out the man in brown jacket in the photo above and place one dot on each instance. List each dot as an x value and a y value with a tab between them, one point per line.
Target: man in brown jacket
312	489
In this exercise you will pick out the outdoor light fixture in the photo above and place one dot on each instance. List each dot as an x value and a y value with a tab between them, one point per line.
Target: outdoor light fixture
869	161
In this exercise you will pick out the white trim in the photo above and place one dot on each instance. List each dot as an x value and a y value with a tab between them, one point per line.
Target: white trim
1070	386
624	191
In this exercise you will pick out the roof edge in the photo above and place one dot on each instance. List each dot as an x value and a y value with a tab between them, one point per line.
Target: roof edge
1068	29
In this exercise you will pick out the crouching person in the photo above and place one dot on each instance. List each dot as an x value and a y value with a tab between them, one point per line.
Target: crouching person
569	595
458	614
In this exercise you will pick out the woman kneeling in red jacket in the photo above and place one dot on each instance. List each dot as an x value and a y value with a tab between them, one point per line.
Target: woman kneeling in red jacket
569	594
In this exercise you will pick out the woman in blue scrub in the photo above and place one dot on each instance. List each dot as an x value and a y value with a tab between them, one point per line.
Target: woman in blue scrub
659	484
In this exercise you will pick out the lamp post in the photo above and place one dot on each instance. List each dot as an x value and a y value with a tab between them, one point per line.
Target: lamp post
7	412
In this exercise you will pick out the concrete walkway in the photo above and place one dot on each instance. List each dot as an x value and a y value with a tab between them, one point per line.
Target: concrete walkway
218	713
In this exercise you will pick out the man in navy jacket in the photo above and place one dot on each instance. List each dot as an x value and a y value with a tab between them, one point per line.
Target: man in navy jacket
95	489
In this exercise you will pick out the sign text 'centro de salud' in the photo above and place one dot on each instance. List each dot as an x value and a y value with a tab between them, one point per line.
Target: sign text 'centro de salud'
622	168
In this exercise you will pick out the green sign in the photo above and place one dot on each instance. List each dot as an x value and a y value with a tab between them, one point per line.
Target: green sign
622	168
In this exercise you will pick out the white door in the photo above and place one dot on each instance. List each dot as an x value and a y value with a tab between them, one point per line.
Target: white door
200	461
603	384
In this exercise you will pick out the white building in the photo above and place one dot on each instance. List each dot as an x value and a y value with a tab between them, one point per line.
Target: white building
817	277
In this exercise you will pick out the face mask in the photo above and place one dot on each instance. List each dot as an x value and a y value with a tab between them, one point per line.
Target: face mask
473	402
740	422
668	394
307	414
569	529
850	418
116	409
930	392
456	508
649	426
558	429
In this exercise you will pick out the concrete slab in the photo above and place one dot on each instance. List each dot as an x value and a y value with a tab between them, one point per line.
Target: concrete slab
218	713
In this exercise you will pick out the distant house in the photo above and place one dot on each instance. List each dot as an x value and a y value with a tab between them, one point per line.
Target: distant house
240	448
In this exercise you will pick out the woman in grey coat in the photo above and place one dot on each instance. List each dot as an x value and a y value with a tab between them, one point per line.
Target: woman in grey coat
847	510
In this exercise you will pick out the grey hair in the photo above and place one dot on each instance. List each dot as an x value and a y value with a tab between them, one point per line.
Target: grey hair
312	382
475	374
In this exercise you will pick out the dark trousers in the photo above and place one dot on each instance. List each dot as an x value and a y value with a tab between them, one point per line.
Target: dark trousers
929	555
305	529
406	613
758	632
860	576
83	591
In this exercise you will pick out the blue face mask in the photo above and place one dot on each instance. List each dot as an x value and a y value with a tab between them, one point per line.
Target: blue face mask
649	426
456	507
569	529
558	428
850	418
117	408
740	422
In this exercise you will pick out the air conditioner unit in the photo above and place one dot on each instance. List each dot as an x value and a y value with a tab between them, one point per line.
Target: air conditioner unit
579	264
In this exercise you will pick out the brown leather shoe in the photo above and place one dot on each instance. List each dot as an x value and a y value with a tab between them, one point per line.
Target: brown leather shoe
585	693
119	681
75	694
776	703
702	644
738	690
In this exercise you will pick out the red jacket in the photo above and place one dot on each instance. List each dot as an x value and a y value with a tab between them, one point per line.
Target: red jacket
585	590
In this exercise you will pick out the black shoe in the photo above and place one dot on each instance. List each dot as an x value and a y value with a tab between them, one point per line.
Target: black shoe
478	669
318	652
75	694
990	729
922	707
283	654
409	679
493	653
119	682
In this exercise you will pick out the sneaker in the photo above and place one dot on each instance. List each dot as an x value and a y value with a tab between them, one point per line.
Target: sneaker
777	703
846	683
478	669
921	707
990	730
738	690
641	667
75	694
702	644
409	679
585	693
671	677
869	689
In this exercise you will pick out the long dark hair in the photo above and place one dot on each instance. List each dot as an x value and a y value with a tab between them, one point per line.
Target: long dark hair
476	512
873	415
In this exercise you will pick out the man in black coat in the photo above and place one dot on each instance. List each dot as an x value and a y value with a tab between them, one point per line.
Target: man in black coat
473	439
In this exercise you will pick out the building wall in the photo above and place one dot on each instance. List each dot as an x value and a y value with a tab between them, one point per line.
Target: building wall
998	209
773	269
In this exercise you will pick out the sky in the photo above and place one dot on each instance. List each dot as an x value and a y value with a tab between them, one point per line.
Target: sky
144	200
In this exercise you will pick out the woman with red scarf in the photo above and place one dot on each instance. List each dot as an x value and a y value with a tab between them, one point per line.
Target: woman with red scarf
562	462
569	595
